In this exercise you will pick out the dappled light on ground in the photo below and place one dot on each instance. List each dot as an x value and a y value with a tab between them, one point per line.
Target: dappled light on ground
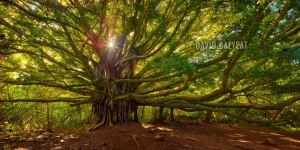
237	135
164	128
243	141
146	125
260	132
290	139
156	136
276	134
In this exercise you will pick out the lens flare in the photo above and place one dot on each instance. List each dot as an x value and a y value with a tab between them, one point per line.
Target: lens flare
110	44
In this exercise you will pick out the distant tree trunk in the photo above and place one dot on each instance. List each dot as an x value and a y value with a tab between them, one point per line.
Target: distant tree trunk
172	114
208	115
155	113
135	113
142	114
48	116
160	117
2	116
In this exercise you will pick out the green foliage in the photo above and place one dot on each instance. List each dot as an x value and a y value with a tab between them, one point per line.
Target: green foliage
33	116
172	64
257	71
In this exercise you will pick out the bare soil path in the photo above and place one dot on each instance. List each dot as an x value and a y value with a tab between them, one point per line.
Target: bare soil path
142	136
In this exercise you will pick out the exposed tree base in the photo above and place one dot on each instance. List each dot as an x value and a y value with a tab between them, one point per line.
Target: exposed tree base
109	113
98	126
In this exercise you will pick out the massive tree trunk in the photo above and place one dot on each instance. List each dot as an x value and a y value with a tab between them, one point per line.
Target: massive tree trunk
108	111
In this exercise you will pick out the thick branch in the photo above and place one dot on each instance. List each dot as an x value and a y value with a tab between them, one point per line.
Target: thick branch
242	105
161	93
66	100
201	108
285	35
154	88
228	69
285	9
148	80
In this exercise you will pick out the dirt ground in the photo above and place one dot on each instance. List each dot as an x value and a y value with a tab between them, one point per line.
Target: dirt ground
145	136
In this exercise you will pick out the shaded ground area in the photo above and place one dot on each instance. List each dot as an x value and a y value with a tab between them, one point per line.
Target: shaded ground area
171	136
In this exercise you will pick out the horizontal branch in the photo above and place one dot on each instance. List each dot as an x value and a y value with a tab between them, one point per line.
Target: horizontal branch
166	92
290	101
66	100
45	83
201	108
242	105
148	80
154	88
139	97
81	91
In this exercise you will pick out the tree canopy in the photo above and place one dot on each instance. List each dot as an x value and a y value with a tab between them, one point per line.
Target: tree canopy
232	57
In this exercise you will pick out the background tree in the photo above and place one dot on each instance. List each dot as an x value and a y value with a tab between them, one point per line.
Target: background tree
120	54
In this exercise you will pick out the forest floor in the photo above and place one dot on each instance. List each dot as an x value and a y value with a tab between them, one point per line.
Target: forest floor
181	135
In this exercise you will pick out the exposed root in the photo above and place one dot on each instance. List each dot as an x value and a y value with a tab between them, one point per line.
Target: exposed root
111	126
191	139
97	126
102	124
134	138
145	136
